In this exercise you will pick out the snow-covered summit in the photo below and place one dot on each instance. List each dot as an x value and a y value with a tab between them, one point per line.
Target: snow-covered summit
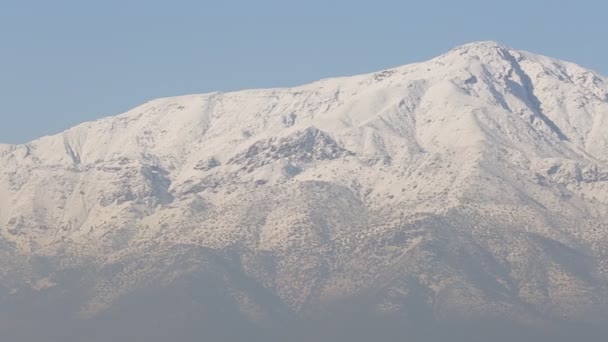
462	106
476	181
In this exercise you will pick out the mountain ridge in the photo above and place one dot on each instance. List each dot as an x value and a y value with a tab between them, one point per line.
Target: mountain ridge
471	186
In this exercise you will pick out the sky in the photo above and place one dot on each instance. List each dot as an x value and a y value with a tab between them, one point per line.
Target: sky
63	62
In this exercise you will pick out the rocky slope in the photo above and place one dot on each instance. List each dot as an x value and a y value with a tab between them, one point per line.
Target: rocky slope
469	188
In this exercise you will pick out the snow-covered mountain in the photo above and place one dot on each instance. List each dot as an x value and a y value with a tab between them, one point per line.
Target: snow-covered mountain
471	187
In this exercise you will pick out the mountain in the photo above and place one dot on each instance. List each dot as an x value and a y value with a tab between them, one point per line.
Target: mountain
462	198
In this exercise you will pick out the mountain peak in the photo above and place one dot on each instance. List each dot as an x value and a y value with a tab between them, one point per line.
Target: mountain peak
480	47
483	45
488	52
470	184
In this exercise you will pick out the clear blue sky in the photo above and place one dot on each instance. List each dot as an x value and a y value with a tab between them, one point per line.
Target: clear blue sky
65	61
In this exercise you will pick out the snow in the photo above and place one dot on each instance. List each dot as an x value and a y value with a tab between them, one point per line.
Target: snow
463	151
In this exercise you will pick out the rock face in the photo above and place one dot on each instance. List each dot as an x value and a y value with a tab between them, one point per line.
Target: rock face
469	191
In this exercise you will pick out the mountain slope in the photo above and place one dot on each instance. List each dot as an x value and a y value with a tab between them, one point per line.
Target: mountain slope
474	185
